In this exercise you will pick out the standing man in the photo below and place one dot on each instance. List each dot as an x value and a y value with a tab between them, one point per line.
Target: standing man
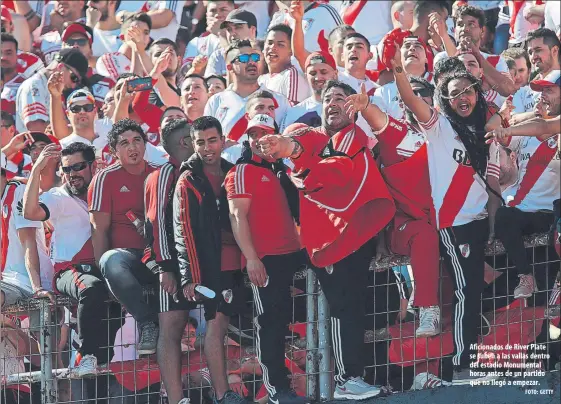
271	257
343	206
320	67
283	77
207	252
160	255
115	199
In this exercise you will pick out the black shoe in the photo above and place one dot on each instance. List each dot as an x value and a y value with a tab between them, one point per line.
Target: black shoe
288	397
231	397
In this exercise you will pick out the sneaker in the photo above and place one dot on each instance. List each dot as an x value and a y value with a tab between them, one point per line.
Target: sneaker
425	380
231	397
356	389
184	401
429	322
148	339
288	397
553	309
526	287
87	367
471	377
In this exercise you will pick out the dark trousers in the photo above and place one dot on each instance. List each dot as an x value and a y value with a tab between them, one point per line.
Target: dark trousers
463	250
511	224
94	331
346	289
273	306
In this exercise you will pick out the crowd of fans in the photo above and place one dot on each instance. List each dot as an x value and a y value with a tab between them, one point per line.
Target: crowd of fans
179	145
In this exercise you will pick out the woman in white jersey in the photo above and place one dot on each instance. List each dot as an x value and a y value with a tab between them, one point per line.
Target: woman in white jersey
465	190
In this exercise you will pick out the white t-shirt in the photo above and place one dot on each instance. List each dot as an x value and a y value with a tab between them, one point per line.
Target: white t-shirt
216	64
371	18
15	272
70	218
387	99
553	15
106	41
519	26
229	108
496	61
290	82
448	164
525	99
204	45
538	173
170	30
32	101
308	112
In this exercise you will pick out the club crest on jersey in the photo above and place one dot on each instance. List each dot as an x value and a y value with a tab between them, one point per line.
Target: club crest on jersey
34	91
221	113
464	250
307	24
552	142
152	137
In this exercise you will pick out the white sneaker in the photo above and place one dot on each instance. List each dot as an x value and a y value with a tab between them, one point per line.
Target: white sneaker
429	322
184	401
526	287
356	389
426	380
87	367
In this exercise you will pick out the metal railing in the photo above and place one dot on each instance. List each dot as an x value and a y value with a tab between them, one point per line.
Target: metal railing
388	346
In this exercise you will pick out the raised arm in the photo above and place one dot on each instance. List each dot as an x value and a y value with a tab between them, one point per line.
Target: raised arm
360	103
439	26
59	122
416	105
538	127
33	19
32	209
298	43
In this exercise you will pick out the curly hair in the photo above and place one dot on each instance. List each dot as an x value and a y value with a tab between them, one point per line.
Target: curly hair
471	130
121	127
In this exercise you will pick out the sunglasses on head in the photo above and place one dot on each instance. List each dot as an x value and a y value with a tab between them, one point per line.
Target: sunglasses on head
254	57
78	41
423	92
75	167
86	108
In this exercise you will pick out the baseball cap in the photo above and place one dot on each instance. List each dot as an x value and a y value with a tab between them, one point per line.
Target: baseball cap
6	14
240	16
77	28
551	80
262	121
320	57
82	94
74	58
40	137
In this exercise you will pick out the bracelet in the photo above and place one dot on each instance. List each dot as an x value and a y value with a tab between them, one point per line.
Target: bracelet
29	15
367	105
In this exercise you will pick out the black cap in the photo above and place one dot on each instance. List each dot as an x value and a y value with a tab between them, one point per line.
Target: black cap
74	58
39	137
240	16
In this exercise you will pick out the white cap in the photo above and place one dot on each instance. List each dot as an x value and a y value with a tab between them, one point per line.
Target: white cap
262	121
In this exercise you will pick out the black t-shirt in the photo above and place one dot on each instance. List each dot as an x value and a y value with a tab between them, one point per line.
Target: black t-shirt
155	98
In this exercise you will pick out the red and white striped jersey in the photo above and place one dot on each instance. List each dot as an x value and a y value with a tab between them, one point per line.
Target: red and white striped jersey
71	241
494	97
520	26
204	45
459	194
18	165
371	18
28	64
12	262
100	88
9	93
290	82
112	65
538	173
229	108
32	101
319	20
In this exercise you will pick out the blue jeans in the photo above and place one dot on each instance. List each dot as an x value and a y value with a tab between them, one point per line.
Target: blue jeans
126	276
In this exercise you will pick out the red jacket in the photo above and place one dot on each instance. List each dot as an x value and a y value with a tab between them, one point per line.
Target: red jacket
344	200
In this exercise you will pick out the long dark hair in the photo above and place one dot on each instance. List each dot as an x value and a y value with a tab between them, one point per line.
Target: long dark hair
471	130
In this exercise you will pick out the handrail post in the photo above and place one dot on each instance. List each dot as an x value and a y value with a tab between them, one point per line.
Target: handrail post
324	350
47	380
311	334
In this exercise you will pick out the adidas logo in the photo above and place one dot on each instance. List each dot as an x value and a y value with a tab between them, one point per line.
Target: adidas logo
265	179
124	189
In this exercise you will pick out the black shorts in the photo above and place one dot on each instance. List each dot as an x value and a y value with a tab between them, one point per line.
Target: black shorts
232	284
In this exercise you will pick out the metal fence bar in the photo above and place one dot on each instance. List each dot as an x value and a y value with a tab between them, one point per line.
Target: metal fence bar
324	348
311	334
48	392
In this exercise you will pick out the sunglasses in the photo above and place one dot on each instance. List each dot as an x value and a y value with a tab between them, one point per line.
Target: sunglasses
75	167
254	57
86	108
423	92
79	42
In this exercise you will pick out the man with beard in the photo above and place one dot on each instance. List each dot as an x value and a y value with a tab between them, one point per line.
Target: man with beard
76	273
158	48
403	156
529	206
106	28
344	204
116	205
465	190
32	100
320	67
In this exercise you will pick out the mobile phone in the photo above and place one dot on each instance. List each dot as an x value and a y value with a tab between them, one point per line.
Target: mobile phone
140	84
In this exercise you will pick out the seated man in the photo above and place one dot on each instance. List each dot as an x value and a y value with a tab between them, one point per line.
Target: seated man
76	273
116	205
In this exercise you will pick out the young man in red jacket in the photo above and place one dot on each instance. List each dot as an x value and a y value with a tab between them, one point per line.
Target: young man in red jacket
344	204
